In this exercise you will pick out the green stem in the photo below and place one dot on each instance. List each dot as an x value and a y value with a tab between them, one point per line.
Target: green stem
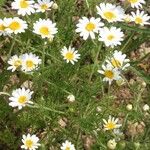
87	3
46	108
12	46
95	62
128	41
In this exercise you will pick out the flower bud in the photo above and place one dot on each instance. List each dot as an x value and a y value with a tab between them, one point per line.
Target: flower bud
111	144
129	107
146	107
55	6
71	98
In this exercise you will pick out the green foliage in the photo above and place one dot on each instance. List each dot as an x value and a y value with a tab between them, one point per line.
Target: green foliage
56	79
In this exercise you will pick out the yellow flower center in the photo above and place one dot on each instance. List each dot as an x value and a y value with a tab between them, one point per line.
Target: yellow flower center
15	25
29	63
44	6
69	56
29	143
90	26
109	15
67	148
116	63
111	125
133	1
24	4
110	37
17	63
109	74
2	27
138	20
22	99
44	30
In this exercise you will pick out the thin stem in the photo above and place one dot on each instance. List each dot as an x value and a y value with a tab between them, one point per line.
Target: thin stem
87	3
4	93
45	108
12	46
95	62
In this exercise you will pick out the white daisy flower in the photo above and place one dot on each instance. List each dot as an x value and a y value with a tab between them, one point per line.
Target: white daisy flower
2	28
43	5
70	54
140	18
111	37
23	6
20	98
111	124
88	27
45	27
118	60
15	25
136	3
111	13
30	142
67	146
110	73
15	62
30	62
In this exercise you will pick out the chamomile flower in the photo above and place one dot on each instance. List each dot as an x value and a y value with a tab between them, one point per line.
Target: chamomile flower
70	54
23	6
109	73
15	25
30	142
111	124
88	27
45	27
15	62
111	37
118	60
30	62
43	5
67	146
2	28
140	18
20	98
127	18
111	13
136	3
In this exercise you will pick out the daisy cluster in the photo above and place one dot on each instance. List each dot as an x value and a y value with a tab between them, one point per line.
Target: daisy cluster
92	27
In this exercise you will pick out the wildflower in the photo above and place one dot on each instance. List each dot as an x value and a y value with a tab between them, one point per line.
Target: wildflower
136	3
71	98
88	27
109	73
140	18
111	144
20	98
111	37
15	62
70	54
129	107
67	146
111	124
45	27
30	62
30	142
15	25
111	13
118	60
146	107
23	6
43	5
